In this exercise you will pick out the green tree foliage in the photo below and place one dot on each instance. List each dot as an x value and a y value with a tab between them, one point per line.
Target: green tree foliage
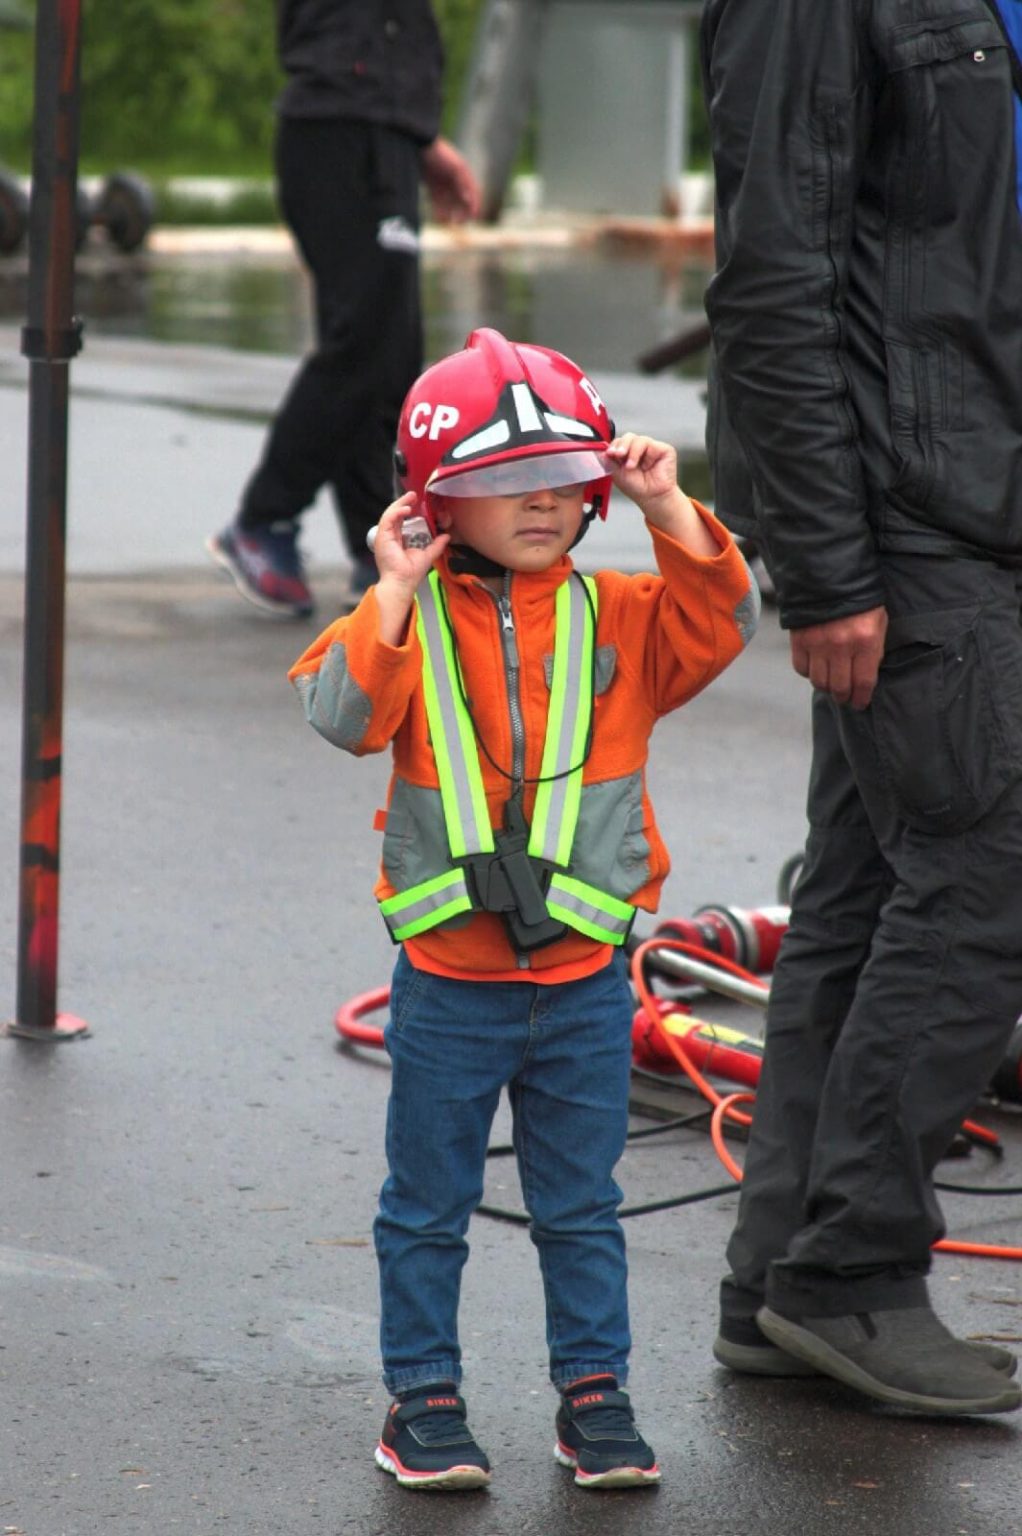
189	86
16	65
185	85
180	83
457	20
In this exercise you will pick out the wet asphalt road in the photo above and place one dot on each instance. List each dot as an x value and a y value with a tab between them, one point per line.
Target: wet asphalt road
187	1288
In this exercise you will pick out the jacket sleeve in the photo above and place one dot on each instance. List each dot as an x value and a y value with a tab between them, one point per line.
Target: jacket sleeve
354	688
677	631
790	103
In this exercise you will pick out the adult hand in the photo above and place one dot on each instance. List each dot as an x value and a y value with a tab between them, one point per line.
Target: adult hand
453	189
842	657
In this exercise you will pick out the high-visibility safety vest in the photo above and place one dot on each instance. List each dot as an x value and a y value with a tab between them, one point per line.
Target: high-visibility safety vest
555	813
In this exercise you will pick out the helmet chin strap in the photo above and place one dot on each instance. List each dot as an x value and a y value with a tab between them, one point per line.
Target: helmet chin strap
466	561
588	515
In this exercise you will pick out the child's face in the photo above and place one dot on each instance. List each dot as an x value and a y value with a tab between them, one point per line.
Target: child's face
526	532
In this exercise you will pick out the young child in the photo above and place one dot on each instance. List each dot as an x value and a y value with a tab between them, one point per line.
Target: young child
518	699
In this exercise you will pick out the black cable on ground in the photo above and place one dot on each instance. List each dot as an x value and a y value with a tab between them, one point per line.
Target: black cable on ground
522	1219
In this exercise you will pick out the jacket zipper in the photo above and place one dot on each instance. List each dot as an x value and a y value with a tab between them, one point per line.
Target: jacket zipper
512	673
512	670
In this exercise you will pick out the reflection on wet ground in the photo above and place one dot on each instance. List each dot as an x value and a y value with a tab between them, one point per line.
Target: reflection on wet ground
602	304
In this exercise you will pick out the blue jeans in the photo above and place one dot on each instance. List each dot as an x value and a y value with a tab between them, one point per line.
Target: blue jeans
564	1054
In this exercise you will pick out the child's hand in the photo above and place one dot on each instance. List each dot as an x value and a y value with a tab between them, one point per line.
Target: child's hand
403	567
647	471
643	468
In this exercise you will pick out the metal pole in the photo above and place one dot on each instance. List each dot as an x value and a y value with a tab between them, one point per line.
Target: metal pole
687	968
50	339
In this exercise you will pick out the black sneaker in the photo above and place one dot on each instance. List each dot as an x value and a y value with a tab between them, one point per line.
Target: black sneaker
596	1435
265	566
426	1443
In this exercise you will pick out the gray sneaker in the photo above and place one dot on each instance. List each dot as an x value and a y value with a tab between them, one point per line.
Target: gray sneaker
905	1357
742	1346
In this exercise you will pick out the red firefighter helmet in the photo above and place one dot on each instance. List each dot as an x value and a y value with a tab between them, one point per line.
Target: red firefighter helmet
501	418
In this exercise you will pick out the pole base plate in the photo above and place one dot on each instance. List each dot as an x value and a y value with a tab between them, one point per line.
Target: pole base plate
66	1027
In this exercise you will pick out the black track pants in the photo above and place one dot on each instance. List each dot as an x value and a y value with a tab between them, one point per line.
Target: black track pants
900	979
349	192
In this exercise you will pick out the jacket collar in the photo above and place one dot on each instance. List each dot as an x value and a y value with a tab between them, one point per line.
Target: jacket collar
527	585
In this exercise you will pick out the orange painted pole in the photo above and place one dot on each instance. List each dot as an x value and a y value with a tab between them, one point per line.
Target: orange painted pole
50	339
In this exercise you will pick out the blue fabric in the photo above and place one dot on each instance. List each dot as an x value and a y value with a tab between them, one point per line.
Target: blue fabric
564	1053
1011	13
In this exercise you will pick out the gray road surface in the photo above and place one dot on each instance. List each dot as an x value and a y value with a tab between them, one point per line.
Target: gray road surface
187	1291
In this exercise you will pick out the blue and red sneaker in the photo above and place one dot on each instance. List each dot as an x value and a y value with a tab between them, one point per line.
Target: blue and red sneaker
266	566
426	1443
596	1435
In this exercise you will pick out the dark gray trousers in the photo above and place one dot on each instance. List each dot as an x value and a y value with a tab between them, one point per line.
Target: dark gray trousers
900	978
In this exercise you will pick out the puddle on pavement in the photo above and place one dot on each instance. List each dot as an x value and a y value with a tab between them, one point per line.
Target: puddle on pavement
603	304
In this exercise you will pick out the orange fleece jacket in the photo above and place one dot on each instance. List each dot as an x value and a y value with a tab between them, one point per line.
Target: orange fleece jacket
672	634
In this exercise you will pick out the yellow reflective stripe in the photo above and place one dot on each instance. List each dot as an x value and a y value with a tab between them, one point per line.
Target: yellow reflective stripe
433	918
577	743
582	925
588	910
466	734
466	815
426	904
555	813
612	906
415	893
441	756
541	811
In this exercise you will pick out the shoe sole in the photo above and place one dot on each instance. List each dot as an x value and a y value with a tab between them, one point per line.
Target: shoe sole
805	1345
265	604
768	1360
451	1478
759	1359
616	1477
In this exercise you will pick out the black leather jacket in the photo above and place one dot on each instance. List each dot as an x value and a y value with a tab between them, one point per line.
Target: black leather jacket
866	389
377	61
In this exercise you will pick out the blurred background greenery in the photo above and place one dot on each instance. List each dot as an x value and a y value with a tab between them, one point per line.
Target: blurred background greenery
175	88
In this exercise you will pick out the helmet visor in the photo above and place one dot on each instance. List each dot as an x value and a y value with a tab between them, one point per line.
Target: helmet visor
517	477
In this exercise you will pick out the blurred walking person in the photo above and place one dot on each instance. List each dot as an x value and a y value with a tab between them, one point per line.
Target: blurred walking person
357	133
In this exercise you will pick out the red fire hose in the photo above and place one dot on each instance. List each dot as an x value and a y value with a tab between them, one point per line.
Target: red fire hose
724	948
727	1053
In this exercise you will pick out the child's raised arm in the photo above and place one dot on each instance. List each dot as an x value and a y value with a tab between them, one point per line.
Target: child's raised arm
401	568
647	472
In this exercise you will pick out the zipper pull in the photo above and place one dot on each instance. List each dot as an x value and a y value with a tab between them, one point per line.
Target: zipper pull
507	626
